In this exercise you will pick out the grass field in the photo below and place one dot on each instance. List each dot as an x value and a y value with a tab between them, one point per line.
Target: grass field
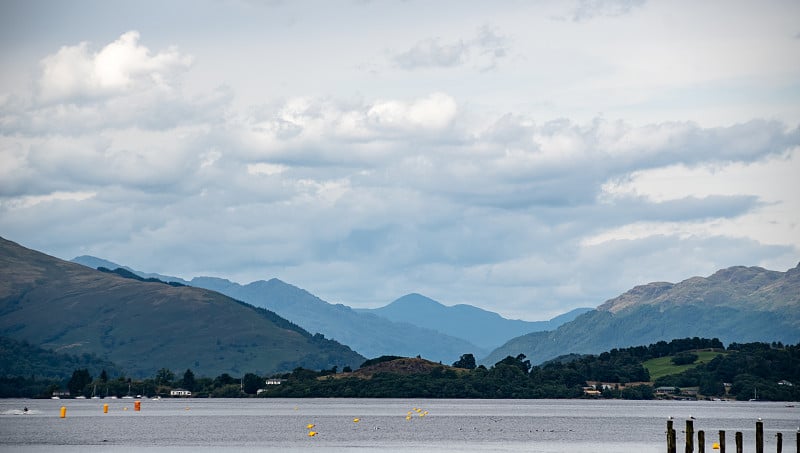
663	366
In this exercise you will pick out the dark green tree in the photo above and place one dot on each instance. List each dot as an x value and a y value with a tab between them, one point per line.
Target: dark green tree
251	383
188	381
225	379
466	361
78	382
103	376
164	377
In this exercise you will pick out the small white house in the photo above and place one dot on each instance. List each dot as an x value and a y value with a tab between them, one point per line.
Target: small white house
274	381
180	392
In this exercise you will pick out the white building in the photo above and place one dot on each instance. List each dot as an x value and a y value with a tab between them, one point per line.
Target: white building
180	392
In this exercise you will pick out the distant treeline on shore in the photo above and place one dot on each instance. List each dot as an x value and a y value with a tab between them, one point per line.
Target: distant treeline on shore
686	368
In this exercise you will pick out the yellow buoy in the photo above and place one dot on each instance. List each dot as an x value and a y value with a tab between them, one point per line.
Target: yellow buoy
310	425
124	408
63	411
408	417
312	433
105	408
715	446
356	420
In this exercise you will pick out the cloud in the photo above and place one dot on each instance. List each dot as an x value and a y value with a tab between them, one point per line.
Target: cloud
483	51
590	9
432	53
417	189
76	73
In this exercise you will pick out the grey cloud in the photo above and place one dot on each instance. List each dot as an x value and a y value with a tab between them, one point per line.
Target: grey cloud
482	51
589	9
431	53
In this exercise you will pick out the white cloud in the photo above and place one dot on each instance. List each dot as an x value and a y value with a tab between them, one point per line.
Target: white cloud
432	113
28	201
267	169
75	73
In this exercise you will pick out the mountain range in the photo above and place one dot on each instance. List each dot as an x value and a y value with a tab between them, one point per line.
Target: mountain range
471	323
411	325
146	326
738	304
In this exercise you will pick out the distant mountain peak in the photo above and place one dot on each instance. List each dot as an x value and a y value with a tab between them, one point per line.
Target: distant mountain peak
416	299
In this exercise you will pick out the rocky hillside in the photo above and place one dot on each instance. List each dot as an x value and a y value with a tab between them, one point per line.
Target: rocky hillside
737	304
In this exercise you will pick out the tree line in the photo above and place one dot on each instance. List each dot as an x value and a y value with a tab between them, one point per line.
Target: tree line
738	371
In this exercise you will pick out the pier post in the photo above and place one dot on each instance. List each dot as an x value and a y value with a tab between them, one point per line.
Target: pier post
701	441
670	437
738	442
721	441
779	442
759	436
689	436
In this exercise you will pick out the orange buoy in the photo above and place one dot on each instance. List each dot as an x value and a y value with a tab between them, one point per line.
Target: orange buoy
63	411
105	408
137	405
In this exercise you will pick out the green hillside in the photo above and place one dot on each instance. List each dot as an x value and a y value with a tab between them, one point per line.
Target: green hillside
739	304
663	366
144	326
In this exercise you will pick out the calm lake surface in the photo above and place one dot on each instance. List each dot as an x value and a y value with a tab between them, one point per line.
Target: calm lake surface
546	426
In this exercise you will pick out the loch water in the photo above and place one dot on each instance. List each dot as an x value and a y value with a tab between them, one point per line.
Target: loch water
395	425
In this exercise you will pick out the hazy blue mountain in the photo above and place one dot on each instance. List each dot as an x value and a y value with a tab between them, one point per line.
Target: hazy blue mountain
369	334
473	324
737	304
145	326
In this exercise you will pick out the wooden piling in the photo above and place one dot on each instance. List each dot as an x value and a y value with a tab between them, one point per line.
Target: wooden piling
670	437
759	436
721	441
701	441
739	443
779	442
689	436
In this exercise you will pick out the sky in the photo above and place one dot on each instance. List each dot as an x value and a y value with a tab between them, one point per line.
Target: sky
525	157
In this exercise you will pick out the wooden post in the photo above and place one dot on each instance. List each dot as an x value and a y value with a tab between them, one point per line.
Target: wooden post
673	438
670	438
701	441
759	436
738	442
689	436
721	441
779	442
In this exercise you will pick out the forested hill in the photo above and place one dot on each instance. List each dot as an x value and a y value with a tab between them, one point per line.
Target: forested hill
144	326
619	373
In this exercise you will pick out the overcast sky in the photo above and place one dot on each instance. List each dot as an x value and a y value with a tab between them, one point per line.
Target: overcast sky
526	157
